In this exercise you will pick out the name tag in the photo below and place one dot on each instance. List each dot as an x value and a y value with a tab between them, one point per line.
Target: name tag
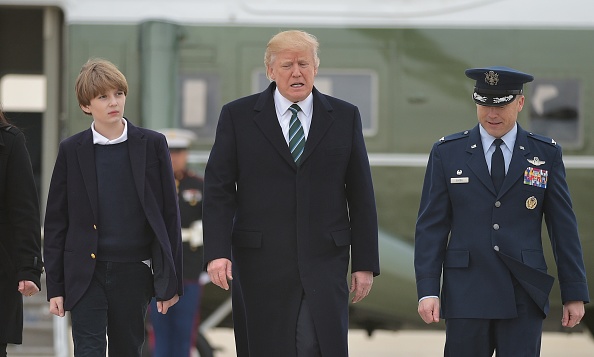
459	180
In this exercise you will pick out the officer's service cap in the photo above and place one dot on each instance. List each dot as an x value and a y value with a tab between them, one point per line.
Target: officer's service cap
178	138
497	86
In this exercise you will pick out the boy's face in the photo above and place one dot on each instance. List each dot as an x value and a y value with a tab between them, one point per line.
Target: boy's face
107	108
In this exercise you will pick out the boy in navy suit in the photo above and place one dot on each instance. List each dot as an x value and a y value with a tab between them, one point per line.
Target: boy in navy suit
112	224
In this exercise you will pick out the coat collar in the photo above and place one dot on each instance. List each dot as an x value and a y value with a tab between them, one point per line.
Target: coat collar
267	120
478	165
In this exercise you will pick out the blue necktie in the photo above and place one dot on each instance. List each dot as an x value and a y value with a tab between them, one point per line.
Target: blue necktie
497	165
296	135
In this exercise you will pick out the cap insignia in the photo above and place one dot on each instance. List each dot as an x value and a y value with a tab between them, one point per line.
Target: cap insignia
480	98
505	99
492	78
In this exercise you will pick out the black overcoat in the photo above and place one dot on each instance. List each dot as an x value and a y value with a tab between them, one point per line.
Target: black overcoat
289	230
20	231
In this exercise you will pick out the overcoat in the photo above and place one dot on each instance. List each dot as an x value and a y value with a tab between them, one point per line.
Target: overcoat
289	230
20	231
479	237
71	221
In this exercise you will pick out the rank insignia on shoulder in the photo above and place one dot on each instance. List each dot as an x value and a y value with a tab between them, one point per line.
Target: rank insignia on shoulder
536	177
536	161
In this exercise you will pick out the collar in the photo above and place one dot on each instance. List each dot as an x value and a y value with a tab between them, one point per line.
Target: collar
282	104
102	140
509	139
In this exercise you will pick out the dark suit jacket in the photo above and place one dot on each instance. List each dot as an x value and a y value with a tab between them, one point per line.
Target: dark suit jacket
478	237
20	231
71	221
289	229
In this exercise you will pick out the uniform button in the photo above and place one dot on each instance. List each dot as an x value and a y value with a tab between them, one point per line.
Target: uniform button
92	255
497	204
496	226
496	248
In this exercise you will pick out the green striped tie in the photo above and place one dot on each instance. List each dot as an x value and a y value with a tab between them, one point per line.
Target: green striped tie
296	135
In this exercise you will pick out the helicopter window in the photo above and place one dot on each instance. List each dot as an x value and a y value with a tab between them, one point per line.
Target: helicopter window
359	87
200	98
554	111
23	93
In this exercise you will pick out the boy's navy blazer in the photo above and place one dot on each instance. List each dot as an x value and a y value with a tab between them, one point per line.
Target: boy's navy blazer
71	221
477	237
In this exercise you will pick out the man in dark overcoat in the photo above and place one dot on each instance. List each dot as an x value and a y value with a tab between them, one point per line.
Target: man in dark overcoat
485	194
283	220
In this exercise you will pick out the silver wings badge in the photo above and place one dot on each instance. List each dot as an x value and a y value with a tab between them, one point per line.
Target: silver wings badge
536	161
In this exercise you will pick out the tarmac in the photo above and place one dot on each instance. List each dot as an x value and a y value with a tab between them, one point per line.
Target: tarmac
412	343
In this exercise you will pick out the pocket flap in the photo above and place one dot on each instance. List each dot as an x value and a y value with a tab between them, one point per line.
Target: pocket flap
342	238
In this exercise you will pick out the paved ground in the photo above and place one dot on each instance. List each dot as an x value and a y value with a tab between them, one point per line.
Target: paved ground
420	344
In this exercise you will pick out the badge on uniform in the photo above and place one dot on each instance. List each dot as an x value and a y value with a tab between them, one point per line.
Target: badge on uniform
536	177
192	196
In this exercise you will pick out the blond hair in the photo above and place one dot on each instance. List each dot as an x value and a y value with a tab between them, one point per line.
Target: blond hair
96	77
295	40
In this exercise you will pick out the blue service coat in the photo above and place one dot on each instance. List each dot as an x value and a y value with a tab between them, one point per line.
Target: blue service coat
289	230
479	237
71	221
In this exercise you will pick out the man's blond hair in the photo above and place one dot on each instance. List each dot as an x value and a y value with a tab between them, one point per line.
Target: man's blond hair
294	40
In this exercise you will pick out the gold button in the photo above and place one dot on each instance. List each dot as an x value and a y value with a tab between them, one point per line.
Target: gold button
94	227
92	255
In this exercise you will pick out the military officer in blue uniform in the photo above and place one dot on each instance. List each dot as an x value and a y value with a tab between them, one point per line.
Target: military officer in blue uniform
175	333
479	258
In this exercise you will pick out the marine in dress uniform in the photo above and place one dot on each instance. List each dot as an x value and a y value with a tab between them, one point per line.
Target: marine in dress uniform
479	259
175	333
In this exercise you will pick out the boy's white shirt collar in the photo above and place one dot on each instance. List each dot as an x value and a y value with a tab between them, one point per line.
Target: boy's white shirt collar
102	140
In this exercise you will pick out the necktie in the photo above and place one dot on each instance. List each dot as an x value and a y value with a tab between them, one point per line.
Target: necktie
296	135
497	165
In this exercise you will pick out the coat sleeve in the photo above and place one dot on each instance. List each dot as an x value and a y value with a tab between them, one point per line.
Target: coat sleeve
432	228
562	227
361	201
56	227
220	191
23	204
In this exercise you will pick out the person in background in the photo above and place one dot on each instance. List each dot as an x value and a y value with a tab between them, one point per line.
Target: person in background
288	203
175	333
112	226
485	194
20	233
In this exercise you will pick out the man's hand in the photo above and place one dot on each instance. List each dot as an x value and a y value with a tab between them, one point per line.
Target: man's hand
429	309
163	306
219	271
57	306
573	312
361	282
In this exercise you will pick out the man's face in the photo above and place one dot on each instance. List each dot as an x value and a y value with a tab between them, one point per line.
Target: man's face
294	73
498	121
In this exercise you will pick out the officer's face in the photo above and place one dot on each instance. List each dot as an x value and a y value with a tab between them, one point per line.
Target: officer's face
498	121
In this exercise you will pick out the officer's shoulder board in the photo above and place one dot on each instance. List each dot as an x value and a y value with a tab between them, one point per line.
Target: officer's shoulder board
456	136
544	139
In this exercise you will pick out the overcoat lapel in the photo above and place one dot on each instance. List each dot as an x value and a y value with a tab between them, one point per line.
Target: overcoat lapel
320	122
137	150
476	161
86	161
266	119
